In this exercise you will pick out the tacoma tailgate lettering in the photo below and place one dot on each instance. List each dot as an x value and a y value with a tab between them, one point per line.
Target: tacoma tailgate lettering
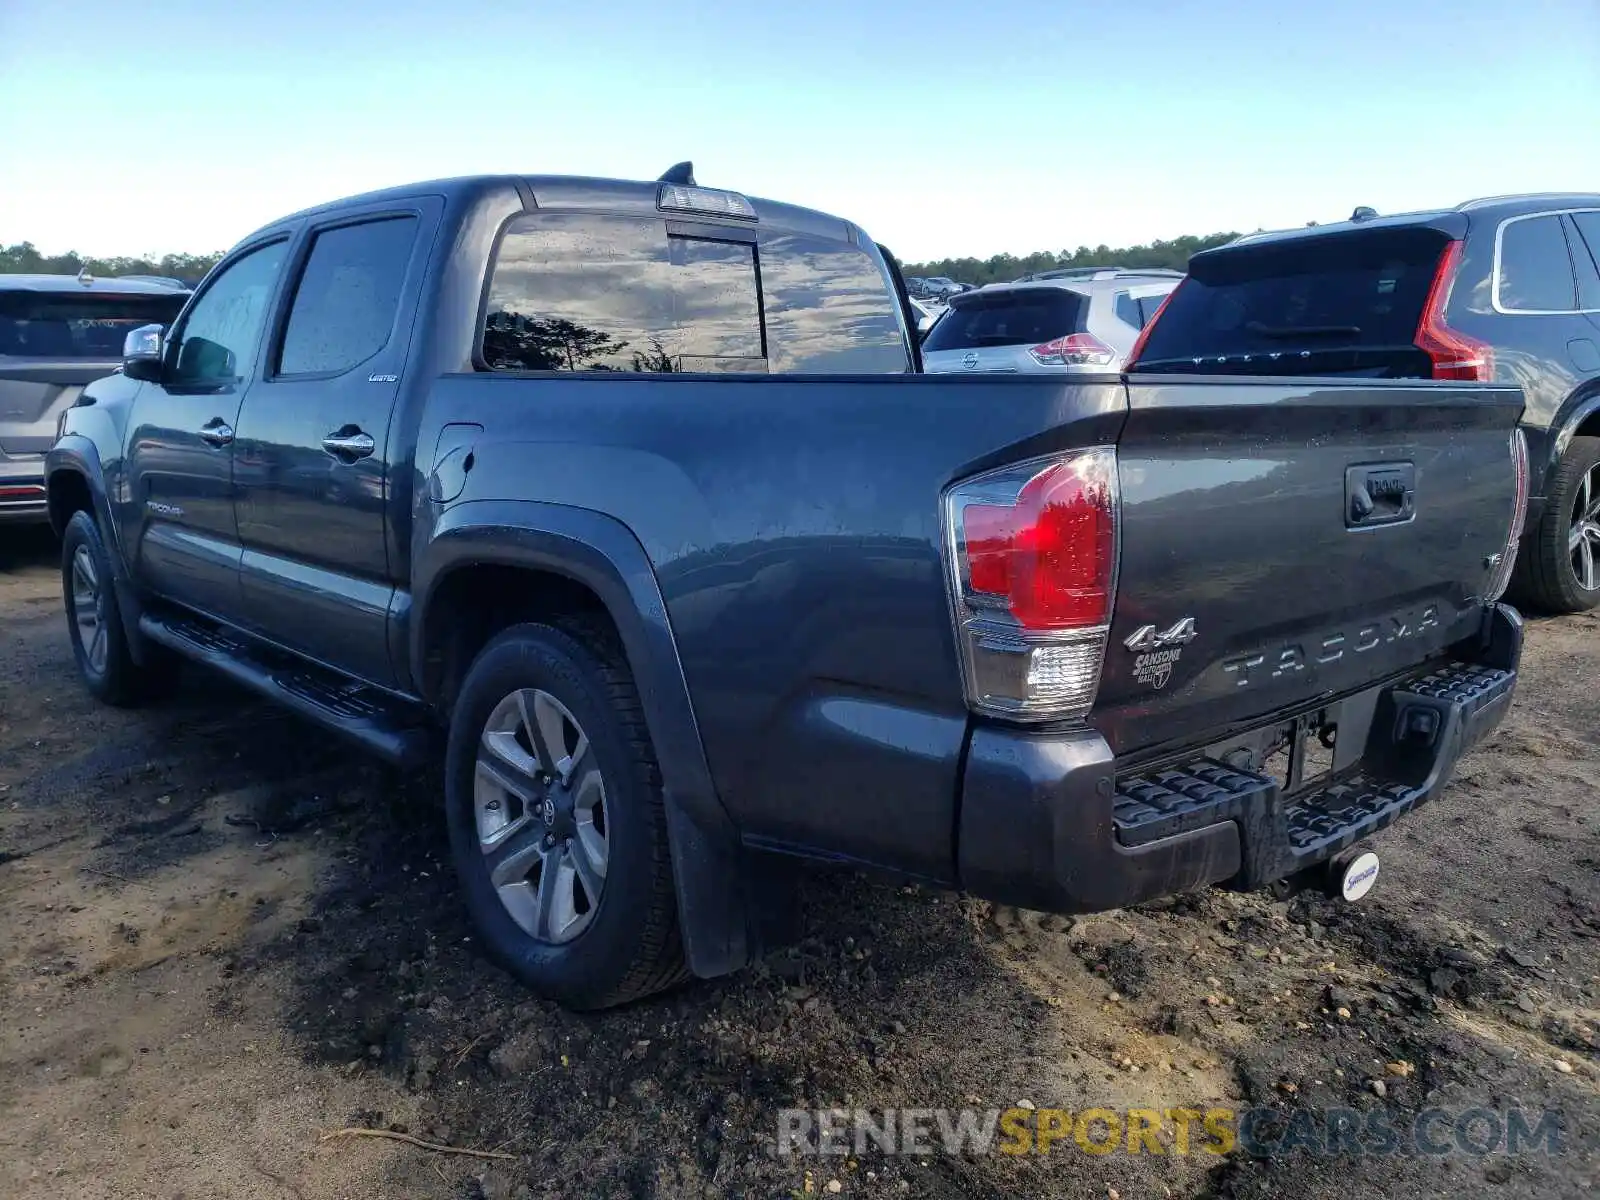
1291	658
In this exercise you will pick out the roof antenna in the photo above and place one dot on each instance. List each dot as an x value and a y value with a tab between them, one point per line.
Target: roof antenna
84	277
1363	213
679	173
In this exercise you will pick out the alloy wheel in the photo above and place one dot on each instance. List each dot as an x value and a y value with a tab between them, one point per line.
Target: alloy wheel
1583	536
540	804
87	610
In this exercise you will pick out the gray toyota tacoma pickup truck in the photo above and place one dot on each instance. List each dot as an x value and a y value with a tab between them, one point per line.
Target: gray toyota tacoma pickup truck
632	496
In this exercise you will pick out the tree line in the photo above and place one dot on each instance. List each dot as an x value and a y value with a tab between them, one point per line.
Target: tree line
1004	267
25	258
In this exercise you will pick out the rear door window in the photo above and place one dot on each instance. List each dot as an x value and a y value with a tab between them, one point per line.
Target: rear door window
349	292
1345	303
88	325
1023	317
1535	269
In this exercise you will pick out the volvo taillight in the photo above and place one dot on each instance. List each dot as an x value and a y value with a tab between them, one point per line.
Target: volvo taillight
1501	577
1144	334
1454	354
1033	556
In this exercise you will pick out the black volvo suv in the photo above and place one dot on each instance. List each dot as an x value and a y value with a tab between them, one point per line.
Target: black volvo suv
1504	289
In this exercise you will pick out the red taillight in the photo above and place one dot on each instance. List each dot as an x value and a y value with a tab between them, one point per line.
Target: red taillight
1050	555
1454	354
1033	558
1074	350
29	491
1144	334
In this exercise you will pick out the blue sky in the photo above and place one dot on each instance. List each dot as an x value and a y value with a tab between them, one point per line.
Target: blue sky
943	127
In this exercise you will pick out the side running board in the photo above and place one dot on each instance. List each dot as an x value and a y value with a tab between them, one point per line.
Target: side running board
382	724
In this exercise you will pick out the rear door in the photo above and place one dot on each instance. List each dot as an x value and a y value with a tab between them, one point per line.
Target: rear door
179	519
313	452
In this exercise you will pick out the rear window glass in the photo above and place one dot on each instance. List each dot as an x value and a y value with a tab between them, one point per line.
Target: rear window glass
1341	293
45	325
831	309
577	292
1026	317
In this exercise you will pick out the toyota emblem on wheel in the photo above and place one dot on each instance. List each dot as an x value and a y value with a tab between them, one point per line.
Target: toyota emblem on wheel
547	810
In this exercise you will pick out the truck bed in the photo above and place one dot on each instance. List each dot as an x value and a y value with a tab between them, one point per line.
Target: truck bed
794	528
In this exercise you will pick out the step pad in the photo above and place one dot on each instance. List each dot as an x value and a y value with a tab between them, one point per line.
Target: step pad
386	725
1162	803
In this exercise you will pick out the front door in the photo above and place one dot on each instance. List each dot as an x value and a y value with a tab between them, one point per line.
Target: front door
178	516
312	456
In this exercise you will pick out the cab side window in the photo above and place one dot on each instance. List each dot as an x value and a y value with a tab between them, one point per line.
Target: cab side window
221	336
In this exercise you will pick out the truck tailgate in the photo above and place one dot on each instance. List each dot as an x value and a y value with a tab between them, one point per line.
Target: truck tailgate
1283	541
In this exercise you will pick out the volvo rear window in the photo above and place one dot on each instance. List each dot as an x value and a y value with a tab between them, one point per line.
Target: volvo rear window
1345	303
1025	317
48	325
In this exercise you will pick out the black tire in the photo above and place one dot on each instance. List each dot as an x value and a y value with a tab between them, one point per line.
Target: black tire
1546	577
109	671
630	946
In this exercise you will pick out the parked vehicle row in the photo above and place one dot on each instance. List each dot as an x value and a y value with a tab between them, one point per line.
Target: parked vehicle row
633	499
935	287
58	333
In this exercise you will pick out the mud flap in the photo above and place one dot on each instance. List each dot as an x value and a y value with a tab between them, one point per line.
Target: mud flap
733	905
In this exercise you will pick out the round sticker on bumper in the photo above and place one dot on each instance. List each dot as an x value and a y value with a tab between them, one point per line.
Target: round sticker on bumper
1359	876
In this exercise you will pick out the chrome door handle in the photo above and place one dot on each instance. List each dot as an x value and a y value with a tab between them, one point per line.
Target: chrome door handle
349	445
217	432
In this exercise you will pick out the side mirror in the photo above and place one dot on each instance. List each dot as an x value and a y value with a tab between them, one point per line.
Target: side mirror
142	352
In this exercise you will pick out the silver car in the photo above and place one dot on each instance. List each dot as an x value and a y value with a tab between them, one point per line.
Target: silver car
57	333
1071	321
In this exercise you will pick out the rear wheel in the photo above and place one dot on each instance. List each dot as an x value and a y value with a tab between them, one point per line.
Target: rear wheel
556	821
1560	569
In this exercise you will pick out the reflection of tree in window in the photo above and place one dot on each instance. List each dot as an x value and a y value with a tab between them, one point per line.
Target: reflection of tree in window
514	342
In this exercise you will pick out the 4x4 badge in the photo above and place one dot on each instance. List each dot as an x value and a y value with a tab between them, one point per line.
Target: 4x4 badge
1159	650
1148	637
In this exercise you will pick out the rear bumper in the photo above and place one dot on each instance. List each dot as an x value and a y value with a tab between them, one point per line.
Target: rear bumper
22	492
1048	822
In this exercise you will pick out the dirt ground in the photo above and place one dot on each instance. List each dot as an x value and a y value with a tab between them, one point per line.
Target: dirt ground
223	935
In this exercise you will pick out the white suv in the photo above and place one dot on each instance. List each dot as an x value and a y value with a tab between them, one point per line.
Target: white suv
1072	321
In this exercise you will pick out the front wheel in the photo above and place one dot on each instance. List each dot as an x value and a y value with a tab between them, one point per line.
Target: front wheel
94	622
1560	568
556	820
